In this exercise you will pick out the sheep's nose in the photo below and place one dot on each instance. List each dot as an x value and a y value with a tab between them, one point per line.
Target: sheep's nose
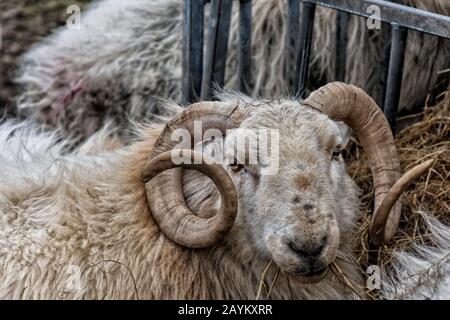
309	253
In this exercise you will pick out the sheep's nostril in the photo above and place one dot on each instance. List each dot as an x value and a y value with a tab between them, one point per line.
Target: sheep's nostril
308	206
322	244
297	250
317	251
309	253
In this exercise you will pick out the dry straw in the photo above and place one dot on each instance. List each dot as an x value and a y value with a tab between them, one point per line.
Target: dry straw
424	140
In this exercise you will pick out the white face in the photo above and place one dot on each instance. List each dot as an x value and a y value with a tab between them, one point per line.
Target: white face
292	217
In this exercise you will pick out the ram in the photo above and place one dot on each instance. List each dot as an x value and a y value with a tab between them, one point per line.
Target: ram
128	53
117	222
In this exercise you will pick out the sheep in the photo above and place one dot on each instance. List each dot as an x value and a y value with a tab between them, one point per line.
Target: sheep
126	68
128	54
423	272
110	221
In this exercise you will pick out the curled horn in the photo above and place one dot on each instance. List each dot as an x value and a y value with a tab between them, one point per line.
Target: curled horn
379	221
165	192
347	103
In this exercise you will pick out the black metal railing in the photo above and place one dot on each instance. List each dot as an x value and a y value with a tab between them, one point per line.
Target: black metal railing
398	17
200	73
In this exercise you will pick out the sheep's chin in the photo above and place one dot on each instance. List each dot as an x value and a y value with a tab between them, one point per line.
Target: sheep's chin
310	279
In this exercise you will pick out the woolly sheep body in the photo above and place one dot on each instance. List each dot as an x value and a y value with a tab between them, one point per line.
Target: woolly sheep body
127	54
423	272
76	224
84	216
101	70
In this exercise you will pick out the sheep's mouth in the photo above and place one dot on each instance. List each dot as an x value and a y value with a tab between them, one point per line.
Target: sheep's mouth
314	276
318	273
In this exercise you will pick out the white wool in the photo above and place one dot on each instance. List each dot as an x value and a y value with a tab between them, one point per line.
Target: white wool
30	154
63	207
128	53
424	271
21	142
33	159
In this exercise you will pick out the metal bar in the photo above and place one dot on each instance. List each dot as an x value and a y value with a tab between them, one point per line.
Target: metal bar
293	25
342	22
216	47
192	59
404	16
386	34
395	73
305	37
245	45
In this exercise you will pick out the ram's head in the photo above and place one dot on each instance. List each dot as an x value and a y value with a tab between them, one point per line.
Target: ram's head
291	210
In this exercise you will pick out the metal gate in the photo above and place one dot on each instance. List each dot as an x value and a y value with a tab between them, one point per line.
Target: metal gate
204	62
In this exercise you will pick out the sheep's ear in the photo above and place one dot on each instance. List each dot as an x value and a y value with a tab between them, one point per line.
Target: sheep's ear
345	132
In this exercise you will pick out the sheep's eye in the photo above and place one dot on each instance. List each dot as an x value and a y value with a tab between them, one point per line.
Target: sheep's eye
336	153
236	167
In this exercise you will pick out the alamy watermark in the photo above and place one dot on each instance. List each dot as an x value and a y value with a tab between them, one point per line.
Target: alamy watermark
73	279
247	147
374	278
74	20
374	20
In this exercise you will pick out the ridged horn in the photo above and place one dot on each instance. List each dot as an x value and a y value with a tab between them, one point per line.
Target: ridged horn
378	221
347	103
165	191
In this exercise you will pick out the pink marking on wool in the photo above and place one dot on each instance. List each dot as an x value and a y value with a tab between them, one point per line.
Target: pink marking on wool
64	100
75	88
